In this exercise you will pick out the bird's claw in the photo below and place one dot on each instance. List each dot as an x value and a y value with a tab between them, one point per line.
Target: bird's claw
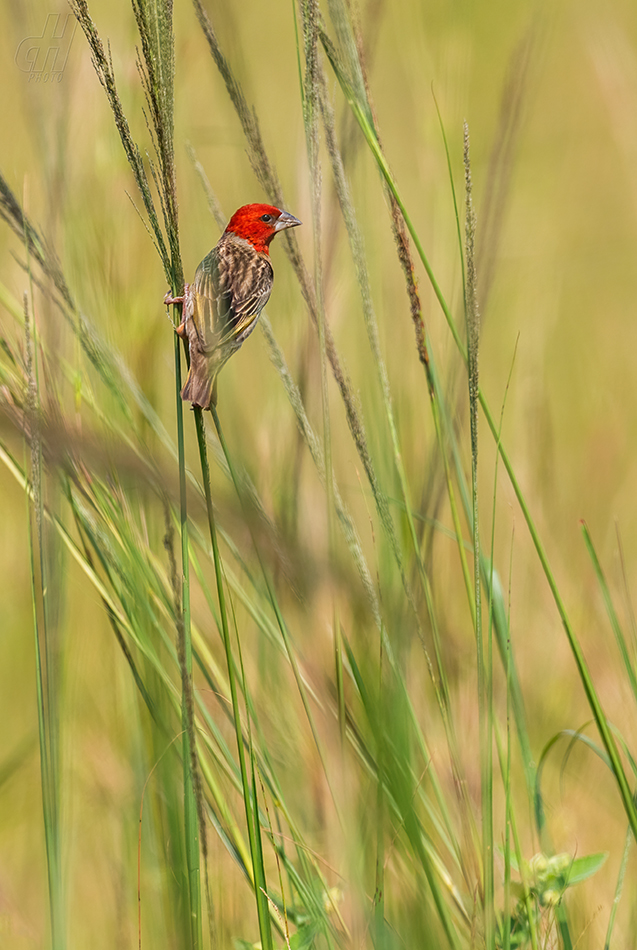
168	300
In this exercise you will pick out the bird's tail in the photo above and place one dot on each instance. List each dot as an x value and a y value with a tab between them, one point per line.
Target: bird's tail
200	390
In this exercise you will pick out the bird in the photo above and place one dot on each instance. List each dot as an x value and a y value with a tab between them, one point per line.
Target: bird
231	287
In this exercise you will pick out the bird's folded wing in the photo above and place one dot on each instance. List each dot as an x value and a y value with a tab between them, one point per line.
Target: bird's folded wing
243	313
229	296
204	305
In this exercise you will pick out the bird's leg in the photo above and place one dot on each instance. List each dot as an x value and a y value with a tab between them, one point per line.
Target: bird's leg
168	299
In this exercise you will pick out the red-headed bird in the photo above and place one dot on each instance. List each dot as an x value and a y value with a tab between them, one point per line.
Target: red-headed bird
231	287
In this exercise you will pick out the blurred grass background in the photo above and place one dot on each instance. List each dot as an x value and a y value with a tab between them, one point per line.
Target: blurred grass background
557	218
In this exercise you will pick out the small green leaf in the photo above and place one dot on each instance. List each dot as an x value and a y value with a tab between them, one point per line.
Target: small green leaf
583	868
303	939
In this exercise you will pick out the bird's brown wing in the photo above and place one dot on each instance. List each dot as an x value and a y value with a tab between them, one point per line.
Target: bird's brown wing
231	287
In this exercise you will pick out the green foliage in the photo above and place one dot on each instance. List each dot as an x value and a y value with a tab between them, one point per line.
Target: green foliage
548	878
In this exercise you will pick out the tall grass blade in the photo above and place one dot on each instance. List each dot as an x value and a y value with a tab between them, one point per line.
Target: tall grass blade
46	658
311	112
249	794
620	639
619	889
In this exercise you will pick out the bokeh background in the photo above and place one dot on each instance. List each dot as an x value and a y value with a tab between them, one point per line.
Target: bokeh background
550	95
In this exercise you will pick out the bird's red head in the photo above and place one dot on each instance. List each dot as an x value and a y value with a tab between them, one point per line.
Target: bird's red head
259	223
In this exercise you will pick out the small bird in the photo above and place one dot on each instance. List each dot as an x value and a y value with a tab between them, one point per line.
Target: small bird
231	287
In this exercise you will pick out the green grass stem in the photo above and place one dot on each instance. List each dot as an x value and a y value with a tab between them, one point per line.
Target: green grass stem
249	794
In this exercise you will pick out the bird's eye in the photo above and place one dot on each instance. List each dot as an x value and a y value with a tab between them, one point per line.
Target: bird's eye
267	218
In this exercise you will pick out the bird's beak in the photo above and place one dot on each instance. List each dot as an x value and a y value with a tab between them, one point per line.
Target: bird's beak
286	220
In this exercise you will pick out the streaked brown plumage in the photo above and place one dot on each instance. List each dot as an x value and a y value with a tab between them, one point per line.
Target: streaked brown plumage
231	287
